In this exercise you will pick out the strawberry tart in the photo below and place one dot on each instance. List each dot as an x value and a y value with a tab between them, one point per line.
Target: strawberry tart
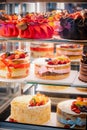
52	68
72	112
31	109
14	64
41	50
73	51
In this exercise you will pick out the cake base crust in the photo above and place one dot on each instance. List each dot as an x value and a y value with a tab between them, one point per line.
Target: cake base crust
50	77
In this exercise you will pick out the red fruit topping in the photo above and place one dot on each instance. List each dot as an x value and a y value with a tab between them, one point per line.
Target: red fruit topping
12	56
38	100
50	63
77	111
22	55
79	99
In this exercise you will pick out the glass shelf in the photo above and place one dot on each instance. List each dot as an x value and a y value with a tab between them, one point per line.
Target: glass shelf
54	40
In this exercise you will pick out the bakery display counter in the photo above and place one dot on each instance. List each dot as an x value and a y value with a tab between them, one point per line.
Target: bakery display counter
44	67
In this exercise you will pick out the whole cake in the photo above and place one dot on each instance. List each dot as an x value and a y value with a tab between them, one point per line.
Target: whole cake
14	64
31	109
83	68
52	68
41	50
35	27
74	26
72	112
8	26
73	51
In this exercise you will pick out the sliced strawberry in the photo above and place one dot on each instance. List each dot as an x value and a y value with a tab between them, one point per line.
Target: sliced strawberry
12	56
22	55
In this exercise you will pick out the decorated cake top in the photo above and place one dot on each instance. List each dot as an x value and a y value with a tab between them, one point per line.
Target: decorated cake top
55	61
73	26
38	100
16	59
84	58
79	105
17	54
60	60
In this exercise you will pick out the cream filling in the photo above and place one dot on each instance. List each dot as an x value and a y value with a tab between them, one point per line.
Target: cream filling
44	69
3	73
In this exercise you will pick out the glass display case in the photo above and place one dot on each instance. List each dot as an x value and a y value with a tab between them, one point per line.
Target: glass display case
57	90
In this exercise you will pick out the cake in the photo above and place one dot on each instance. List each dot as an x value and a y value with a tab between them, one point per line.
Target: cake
74	25
52	68
29	109
14	64
35	27
72	112
8	25
73	51
83	68
41	50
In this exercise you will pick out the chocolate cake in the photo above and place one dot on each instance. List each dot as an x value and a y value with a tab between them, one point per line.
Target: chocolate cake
74	26
83	68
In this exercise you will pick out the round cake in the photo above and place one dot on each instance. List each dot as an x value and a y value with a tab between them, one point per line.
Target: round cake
52	68
35	27
31	109
14	64
41	50
8	25
72	112
83	68
74	26
73	51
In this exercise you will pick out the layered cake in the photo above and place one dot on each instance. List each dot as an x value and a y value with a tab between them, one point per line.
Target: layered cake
52	68
31	109
83	68
72	112
74	26
14	64
41	50
73	51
